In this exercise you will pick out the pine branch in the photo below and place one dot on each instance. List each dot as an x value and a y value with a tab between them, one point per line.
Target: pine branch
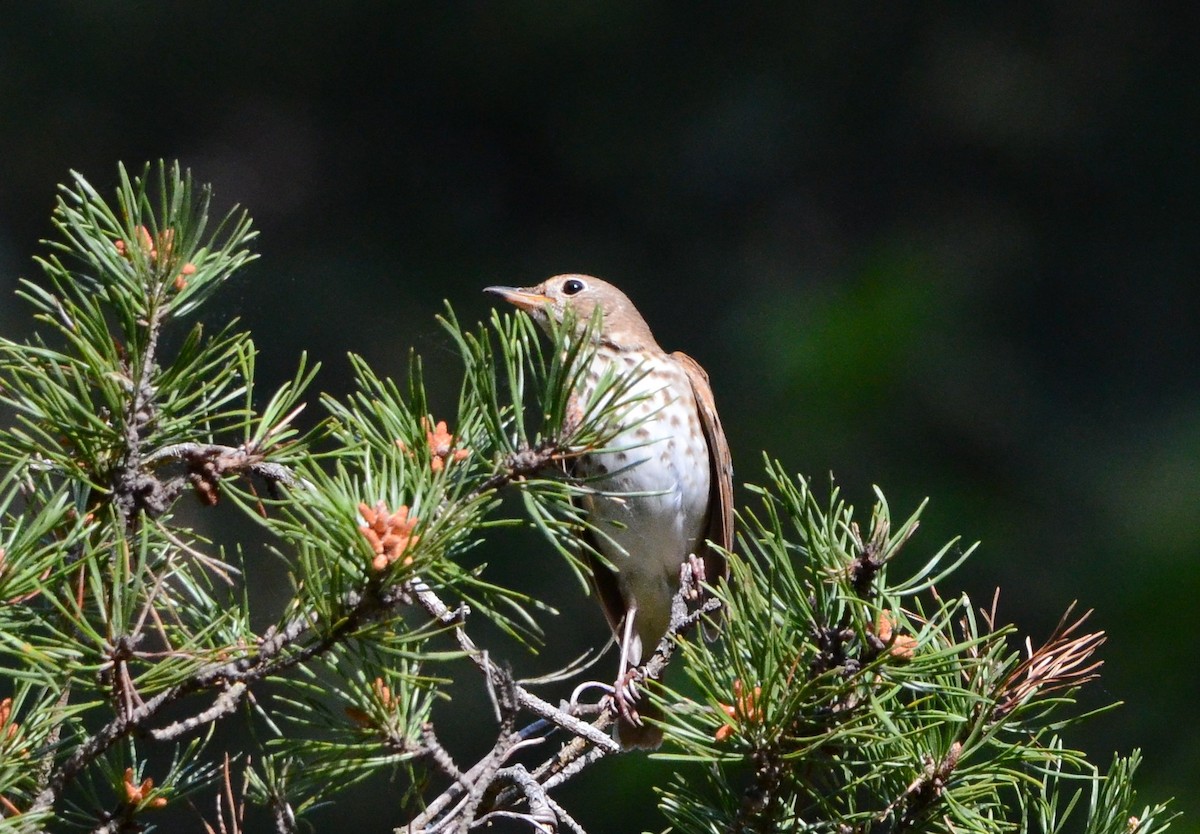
845	695
460	804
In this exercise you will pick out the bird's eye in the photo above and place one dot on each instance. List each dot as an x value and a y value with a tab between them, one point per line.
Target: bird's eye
572	286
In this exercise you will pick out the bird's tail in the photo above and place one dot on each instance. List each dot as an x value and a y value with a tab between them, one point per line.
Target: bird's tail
642	735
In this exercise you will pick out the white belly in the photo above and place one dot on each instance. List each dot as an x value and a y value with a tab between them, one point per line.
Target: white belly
650	504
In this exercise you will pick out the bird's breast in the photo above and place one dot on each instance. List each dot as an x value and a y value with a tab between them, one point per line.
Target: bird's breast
651	485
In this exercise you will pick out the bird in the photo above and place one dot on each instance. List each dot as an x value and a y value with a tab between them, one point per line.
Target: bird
661	491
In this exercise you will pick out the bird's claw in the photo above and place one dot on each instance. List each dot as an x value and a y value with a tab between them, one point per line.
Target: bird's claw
696	566
624	694
573	701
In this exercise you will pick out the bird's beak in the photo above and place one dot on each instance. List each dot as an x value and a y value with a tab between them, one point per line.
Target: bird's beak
522	299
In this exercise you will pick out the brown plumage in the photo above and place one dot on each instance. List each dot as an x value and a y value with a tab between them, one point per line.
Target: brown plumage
674	454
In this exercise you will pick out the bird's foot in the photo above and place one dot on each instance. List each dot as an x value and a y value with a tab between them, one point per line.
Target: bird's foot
693	576
624	693
573	702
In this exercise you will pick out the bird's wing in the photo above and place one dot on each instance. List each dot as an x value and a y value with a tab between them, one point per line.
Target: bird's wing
604	580
720	517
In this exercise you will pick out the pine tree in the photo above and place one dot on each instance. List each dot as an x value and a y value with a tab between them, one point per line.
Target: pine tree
841	697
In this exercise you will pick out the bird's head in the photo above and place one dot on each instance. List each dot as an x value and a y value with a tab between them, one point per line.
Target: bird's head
621	325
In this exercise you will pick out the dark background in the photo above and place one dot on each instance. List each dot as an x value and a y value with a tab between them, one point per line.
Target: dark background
949	250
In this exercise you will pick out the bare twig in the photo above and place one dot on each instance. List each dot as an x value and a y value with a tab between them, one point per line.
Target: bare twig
574	766
565	818
438	754
225	460
526	700
276	652
285	817
528	462
459	803
487	773
924	790
95	746
225	703
133	490
540	815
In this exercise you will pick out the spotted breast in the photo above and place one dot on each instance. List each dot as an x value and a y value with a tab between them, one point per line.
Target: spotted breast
649	499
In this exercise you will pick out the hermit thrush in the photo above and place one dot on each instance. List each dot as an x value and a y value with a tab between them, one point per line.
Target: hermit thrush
662	488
